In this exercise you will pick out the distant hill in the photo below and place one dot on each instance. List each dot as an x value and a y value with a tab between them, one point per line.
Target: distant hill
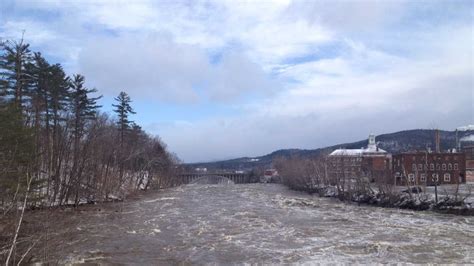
408	140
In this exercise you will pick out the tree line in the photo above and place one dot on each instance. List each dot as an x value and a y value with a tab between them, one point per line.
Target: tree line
336	177
57	147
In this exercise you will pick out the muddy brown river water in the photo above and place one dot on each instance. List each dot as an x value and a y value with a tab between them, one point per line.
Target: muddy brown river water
262	223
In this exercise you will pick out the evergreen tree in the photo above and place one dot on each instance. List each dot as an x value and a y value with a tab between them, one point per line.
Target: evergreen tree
3	74
123	110
39	73
83	109
58	101
14	59
59	94
49	95
17	152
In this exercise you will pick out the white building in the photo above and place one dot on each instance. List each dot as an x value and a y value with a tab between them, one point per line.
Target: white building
371	149
364	162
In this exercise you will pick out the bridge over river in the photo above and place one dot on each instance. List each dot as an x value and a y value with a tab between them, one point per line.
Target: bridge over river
213	178
250	223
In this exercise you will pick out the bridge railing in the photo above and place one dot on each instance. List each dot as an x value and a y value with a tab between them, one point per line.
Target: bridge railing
187	178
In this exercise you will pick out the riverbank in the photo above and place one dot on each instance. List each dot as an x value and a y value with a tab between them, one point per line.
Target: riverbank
458	202
46	228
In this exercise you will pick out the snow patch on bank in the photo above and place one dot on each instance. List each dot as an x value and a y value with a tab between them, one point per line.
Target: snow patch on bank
468	138
159	199
466	128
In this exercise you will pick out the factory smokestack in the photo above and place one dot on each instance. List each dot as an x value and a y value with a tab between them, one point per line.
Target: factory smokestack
437	141
458	147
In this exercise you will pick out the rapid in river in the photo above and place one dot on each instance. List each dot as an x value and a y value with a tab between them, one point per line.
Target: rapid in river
259	223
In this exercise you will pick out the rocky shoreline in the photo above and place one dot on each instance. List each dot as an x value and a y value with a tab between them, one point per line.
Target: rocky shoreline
417	201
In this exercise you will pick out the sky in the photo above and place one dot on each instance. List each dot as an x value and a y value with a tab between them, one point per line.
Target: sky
224	79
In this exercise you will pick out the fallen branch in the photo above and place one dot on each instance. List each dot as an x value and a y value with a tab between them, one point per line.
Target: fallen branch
28	251
20	220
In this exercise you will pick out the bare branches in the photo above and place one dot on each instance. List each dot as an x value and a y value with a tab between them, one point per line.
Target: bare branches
17	230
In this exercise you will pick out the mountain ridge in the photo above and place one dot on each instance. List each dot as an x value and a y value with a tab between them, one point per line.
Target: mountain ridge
396	142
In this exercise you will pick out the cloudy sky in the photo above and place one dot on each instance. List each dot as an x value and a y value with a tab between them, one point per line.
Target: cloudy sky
224	79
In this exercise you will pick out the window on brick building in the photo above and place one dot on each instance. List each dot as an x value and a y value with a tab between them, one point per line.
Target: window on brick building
444	166
456	167
413	167
411	177
432	166
420	167
434	177
447	177
450	167
423	178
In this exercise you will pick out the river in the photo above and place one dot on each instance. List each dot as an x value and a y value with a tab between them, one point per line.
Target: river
258	223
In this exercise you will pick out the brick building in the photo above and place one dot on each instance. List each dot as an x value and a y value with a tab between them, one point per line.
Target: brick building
359	163
423	168
469	152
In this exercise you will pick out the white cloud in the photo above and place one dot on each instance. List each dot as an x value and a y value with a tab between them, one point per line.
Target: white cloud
345	16
324	71
147	67
343	98
154	67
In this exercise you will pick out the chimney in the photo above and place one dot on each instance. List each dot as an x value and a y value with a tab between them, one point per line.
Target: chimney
457	141
437	140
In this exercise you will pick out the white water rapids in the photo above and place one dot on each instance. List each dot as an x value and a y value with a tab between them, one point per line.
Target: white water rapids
262	223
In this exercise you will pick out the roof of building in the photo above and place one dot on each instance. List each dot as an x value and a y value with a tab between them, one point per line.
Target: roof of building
357	152
370	150
422	153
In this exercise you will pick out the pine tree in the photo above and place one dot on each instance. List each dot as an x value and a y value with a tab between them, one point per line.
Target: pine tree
3	73
38	71
14	59
83	109
123	110
49	95
16	152
59	99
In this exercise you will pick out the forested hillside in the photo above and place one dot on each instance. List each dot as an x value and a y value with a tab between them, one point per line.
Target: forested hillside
57	147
